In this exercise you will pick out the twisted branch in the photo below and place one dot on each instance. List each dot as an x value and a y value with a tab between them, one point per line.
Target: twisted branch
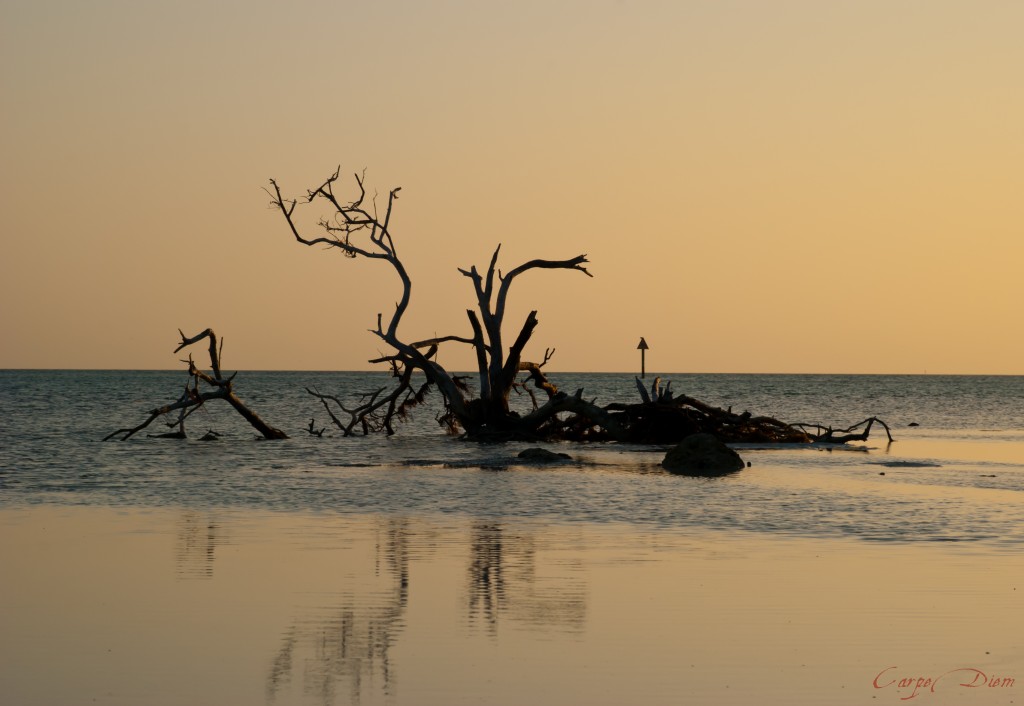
192	398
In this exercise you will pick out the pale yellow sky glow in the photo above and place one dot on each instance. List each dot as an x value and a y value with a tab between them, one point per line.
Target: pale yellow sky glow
797	186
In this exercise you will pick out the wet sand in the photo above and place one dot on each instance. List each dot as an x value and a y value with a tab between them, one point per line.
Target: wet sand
181	606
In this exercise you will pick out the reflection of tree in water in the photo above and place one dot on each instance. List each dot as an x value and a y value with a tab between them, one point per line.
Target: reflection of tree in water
486	567
345	648
342	653
198	537
503	581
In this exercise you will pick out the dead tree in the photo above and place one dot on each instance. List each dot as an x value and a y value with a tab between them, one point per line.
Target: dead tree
826	434
663	417
358	229
194	397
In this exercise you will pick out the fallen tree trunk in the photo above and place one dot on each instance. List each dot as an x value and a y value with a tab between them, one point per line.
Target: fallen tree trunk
665	418
192	399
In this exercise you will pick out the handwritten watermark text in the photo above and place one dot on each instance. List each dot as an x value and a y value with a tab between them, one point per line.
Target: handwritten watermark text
911	686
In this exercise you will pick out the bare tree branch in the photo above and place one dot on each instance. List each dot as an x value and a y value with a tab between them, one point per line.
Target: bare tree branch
360	231
191	398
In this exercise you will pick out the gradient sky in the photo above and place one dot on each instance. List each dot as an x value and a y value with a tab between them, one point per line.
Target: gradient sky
792	186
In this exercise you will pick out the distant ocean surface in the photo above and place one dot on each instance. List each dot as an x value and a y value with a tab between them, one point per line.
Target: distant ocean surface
958	476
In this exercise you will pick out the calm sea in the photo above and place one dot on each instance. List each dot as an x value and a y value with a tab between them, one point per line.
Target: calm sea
958	475
427	570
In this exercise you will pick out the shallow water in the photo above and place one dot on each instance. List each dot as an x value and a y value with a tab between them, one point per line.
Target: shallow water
239	607
956	477
422	569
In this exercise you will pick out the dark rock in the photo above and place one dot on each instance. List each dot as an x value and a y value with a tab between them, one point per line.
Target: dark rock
540	455
702	455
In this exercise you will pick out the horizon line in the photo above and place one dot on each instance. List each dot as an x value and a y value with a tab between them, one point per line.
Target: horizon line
475	372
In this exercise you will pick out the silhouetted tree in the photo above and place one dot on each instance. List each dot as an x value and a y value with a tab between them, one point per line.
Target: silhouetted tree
359	229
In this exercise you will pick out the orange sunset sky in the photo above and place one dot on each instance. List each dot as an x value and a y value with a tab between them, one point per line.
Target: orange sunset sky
792	186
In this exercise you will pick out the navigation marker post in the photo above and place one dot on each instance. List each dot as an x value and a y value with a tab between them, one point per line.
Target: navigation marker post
643	352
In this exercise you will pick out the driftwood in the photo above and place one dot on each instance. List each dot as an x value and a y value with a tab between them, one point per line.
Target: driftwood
193	397
662	417
841	436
